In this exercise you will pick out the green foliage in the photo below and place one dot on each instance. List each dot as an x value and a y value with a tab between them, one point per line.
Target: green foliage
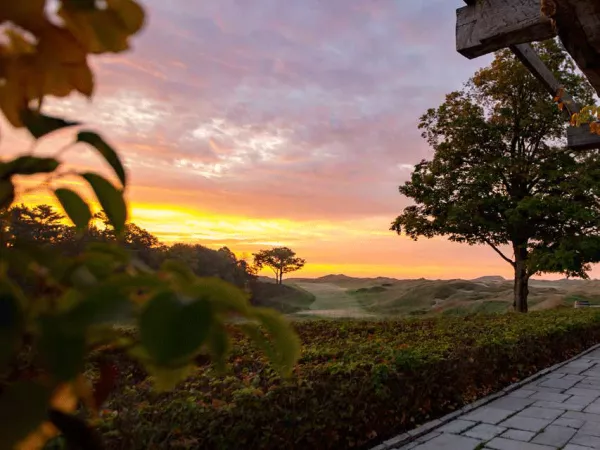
280	260
357	382
63	290
500	177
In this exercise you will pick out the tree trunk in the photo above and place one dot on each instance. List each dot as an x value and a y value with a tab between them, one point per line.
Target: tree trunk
281	277
521	285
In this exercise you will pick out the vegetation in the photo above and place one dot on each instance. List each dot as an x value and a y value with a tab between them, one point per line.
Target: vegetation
356	383
56	308
500	175
280	260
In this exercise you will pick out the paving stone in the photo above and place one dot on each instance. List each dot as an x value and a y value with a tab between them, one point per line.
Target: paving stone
591	428
554	435
487	414
552	375
591	373
559	383
594	408
549	396
594	393
586	417
575	447
456	426
450	442
484	431
559	406
585	440
571	423
573	377
540	413
507	444
526	423
579	400
572	370
428	436
546	389
511	403
522	393
518	435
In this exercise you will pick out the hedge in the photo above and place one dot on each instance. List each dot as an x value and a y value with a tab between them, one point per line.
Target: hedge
357	383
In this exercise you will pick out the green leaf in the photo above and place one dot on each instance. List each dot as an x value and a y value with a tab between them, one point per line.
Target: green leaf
286	344
179	270
105	304
219	345
170	330
11	321
62	347
40	124
111	157
28	165
110	198
7	193
225	297
75	207
23	407
167	379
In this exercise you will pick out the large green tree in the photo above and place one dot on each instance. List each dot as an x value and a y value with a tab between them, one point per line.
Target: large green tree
501	176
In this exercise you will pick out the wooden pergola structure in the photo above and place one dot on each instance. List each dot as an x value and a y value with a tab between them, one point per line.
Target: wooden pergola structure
485	26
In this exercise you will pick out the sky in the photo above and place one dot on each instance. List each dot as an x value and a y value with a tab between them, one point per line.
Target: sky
256	123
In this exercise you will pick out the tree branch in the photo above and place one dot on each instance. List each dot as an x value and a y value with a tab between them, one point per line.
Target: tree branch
508	260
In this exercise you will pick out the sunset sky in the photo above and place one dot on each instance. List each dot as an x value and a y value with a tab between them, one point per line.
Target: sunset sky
253	123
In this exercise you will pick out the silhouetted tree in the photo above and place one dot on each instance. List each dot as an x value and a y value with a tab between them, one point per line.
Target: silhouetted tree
280	260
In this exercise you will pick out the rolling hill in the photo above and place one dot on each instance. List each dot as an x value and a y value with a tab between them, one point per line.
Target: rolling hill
392	297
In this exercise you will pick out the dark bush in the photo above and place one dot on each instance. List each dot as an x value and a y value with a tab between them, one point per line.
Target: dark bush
356	384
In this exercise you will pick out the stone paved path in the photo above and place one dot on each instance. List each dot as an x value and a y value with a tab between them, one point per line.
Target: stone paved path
561	410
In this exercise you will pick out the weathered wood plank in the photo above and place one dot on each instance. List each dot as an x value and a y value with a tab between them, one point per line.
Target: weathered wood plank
580	138
578	25
530	59
489	25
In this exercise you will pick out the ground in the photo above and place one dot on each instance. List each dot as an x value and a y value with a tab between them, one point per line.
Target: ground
560	410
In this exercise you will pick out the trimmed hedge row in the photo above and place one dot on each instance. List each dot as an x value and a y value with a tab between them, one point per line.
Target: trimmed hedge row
357	383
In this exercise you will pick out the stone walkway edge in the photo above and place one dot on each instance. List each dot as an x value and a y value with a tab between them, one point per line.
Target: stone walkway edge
411	436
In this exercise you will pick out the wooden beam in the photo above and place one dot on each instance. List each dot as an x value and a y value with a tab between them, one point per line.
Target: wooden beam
580	138
530	59
578	25
486	26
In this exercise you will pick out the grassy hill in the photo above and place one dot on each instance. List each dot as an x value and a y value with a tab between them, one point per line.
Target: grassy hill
284	298
490	294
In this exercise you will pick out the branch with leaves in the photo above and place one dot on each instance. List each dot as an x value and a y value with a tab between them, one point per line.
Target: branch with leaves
46	337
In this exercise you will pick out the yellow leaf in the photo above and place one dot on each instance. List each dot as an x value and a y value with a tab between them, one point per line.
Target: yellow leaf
61	45
105	30
83	390
18	43
130	13
64	398
561	106
27	14
82	78
12	95
37	439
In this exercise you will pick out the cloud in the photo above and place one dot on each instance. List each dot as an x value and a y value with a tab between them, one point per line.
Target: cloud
295	112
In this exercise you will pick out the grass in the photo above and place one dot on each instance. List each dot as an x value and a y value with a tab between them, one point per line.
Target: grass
287	299
357	382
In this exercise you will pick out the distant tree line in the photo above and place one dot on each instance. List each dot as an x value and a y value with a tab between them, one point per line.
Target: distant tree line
44	227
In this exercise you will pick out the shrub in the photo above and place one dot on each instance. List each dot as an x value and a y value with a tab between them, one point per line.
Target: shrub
356	383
